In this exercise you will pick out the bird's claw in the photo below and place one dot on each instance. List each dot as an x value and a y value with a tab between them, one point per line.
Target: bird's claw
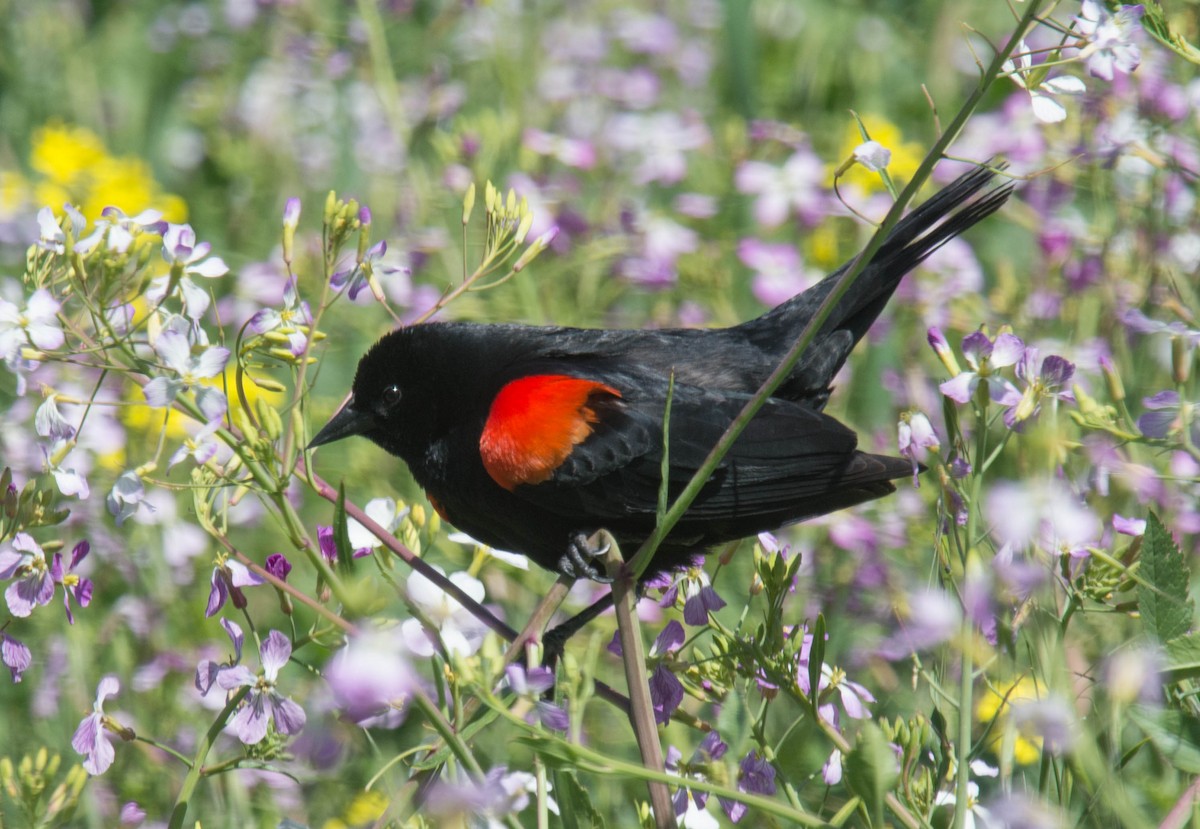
578	561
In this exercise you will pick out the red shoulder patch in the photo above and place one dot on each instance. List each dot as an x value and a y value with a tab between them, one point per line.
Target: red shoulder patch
533	425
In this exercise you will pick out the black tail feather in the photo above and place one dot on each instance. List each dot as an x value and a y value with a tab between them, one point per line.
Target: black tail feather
945	215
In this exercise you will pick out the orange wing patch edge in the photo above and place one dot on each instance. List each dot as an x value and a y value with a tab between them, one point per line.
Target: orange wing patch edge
533	425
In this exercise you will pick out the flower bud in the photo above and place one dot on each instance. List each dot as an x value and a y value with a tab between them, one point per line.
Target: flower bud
291	218
468	204
942	348
330	213
1181	360
1116	389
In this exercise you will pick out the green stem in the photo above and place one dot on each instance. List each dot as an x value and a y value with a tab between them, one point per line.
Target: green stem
206	742
447	732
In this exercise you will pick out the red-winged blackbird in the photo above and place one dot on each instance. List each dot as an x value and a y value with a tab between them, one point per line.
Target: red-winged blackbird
532	438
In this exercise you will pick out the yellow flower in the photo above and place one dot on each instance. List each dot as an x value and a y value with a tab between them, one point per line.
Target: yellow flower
906	155
14	192
63	153
996	704
364	810
75	166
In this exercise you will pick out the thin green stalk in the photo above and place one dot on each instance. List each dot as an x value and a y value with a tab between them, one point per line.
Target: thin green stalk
206	743
447	732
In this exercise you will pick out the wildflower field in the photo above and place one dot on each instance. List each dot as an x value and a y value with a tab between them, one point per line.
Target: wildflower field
210	210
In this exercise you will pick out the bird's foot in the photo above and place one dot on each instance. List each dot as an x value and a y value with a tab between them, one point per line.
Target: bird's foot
579	562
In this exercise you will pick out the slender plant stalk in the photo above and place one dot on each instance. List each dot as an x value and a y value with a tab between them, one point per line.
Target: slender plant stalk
633	655
197	768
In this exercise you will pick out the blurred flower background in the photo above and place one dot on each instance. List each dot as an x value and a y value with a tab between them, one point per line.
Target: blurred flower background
677	162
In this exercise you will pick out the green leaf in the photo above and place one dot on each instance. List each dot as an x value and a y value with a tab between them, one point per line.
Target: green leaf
816	658
870	770
1163	584
1183	658
341	533
1174	734
576	810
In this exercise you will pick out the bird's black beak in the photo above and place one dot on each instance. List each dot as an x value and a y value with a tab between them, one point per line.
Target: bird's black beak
346	421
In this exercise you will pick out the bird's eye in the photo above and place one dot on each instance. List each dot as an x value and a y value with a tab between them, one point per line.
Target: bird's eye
391	396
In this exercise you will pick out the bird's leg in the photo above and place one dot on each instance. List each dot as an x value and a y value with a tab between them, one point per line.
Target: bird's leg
577	561
555	639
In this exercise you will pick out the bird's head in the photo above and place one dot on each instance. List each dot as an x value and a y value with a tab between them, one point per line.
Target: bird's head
387	403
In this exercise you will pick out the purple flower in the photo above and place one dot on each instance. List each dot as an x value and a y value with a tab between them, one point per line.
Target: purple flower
291	213
371	676
175	351
831	772
132	814
1051	719
1050	383
779	273
699	767
1043	512
699	597
294	321
666	691
570	151
755	776
984	357
90	739
207	671
1165	417
854	697
1129	526
187	258
531	684
362	274
15	656
796	186
263	703
49	422
34	583
200	447
916	437
1109	38
658	141
932	618
73	584
663	241
228	579
500	794
127	496
278	566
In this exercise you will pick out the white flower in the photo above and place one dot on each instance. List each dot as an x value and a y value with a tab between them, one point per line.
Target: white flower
873	155
1045	108
175	351
459	630
1109	38
384	513
36	323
